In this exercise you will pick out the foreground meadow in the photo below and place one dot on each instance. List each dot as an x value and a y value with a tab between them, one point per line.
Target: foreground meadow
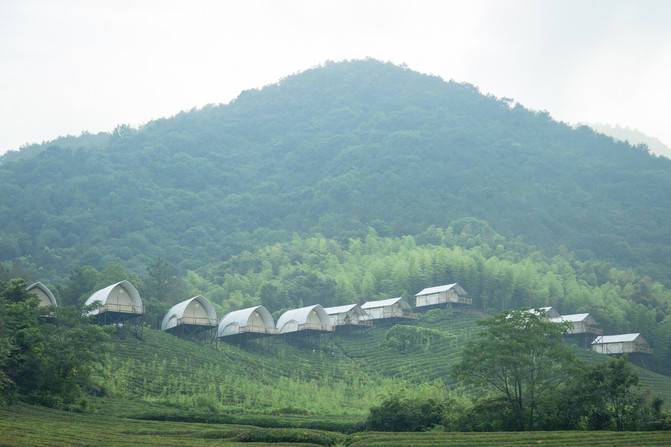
36	426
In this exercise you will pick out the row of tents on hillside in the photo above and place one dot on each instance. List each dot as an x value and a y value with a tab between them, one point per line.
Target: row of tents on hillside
120	303
585	328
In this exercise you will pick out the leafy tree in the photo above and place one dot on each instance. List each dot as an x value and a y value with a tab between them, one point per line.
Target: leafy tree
603	396
616	384
80	284
112	273
160	288
161	281
519	356
309	287
49	363
272	296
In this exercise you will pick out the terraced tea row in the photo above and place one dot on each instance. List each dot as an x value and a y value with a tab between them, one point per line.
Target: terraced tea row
520	439
35	426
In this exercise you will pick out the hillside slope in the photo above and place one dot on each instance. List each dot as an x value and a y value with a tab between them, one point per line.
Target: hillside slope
334	150
341	374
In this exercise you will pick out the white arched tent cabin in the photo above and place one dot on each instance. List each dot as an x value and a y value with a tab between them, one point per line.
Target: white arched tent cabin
189	317
44	295
116	304
348	315
305	319
246	323
621	344
390	309
441	296
580	324
582	327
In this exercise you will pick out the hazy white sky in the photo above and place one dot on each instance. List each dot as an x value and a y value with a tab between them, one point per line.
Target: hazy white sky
70	66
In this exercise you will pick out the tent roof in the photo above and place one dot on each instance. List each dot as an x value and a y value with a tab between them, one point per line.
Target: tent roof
102	294
431	290
301	314
241	318
45	289
603	339
340	309
381	303
546	309
573	318
178	310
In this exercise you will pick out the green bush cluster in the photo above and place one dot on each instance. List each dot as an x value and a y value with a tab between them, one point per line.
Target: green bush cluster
401	414
47	355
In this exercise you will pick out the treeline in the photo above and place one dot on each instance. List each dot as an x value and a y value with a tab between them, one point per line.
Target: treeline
333	150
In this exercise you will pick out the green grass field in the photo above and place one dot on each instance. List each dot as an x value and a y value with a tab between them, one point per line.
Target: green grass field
35	426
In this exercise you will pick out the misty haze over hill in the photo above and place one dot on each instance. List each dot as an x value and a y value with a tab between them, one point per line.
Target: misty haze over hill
634	137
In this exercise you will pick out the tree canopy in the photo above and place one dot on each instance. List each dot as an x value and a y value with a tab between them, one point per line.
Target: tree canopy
47	354
519	355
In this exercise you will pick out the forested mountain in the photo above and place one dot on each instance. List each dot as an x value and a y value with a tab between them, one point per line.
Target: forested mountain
334	150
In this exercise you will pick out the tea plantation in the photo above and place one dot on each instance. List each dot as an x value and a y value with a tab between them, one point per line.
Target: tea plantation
339	374
163	390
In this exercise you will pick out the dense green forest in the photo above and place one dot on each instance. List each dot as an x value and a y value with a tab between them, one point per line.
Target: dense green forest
333	150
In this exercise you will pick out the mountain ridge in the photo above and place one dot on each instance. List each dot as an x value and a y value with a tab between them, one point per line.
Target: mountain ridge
634	137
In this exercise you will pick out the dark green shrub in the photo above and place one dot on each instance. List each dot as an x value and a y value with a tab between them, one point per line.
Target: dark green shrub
488	415
396	414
